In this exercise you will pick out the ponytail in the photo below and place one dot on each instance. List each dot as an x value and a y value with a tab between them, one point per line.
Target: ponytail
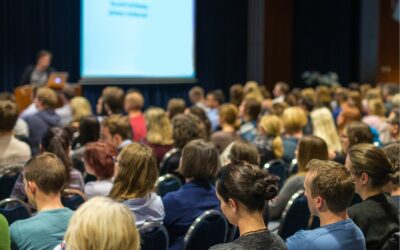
277	146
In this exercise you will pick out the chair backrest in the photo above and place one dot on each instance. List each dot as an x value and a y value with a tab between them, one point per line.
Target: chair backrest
164	165
293	168
296	215
207	230
279	168
154	236
72	198
167	183
14	209
8	177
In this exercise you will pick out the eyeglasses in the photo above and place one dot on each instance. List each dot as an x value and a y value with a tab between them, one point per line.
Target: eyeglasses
115	159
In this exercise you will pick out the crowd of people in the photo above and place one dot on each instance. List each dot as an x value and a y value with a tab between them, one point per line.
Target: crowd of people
334	142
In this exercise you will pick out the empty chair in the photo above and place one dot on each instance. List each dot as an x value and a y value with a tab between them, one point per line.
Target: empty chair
296	216
168	183
8	178
279	168
154	236
14	209
72	198
207	230
170	161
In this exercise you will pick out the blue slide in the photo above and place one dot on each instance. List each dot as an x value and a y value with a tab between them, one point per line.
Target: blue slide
137	39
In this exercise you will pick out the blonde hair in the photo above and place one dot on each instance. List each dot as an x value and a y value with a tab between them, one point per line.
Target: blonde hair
90	227
324	127
272	126
159	127
230	113
253	91
47	97
294	119
376	107
133	101
80	108
137	173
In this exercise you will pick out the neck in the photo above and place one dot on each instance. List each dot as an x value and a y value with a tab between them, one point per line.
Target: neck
40	67
365	194
48	202
227	128
134	113
327	218
251	222
5	133
297	135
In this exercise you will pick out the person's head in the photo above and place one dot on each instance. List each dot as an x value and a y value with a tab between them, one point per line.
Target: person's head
45	98
328	187
324	127
354	99
244	151
243	188
236	94
98	159
113	100
355	133
306	103
67	93
199	160
196	94
310	147
159	127
278	108
185	127
392	151
215	98
89	129
89	227
43	59
44	176
252	91
175	106
115	129
8	116
324	96
134	101
294	120
280	89
135	172
272	126
250	109
80	107
370	168
394	125
202	116
376	107
228	114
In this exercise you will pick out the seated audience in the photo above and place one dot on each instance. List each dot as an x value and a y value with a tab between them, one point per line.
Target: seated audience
116	130
236	94
244	151
39	123
4	234
199	164
281	89
202	116
80	108
228	120
376	119
376	216
294	120
135	174
242	189
196	97
350	110
175	107
44	179
268	140
56	141
329	189
21	127
13	152
252	90
99	162
310	147
65	112
214	100
90	227
133	107
249	111
111	101
159	132
392	152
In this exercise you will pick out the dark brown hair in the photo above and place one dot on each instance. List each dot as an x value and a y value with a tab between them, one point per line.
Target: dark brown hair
201	114
175	106
311	147
185	127
244	151
99	155
246	183
114	98
358	132
392	151
333	182
47	171
199	160
118	125
252	108
8	115
236	94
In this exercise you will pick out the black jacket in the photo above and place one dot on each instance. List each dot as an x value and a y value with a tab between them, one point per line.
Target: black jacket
26	76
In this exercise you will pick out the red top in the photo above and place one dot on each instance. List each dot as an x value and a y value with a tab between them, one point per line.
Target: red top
139	130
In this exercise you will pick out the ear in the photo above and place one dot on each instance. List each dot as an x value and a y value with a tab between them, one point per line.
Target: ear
31	186
319	202
233	205
364	178
117	138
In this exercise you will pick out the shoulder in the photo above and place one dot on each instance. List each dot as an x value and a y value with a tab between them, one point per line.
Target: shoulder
302	237
227	246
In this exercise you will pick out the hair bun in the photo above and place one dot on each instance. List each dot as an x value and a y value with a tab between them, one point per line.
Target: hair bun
266	185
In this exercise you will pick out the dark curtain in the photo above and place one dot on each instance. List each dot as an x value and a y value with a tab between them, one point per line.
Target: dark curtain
27	26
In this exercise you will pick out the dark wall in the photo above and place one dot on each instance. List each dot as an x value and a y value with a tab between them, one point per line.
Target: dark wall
28	26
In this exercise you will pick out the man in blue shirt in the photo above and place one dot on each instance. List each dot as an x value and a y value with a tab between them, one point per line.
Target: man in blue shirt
329	190
44	178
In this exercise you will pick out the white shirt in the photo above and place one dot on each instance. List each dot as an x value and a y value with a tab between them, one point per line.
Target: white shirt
98	188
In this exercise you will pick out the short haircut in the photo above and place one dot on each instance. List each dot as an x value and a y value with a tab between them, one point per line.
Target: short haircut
199	160
47	97
90	229
8	115
294	119
196	92
186	127
138	172
113	97
134	101
218	95
118	125
247	184
89	129
176	106
284	87
68	91
236	94
358	132
252	108
230	113
47	171
99	155
392	151
333	182
244	151
366	158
